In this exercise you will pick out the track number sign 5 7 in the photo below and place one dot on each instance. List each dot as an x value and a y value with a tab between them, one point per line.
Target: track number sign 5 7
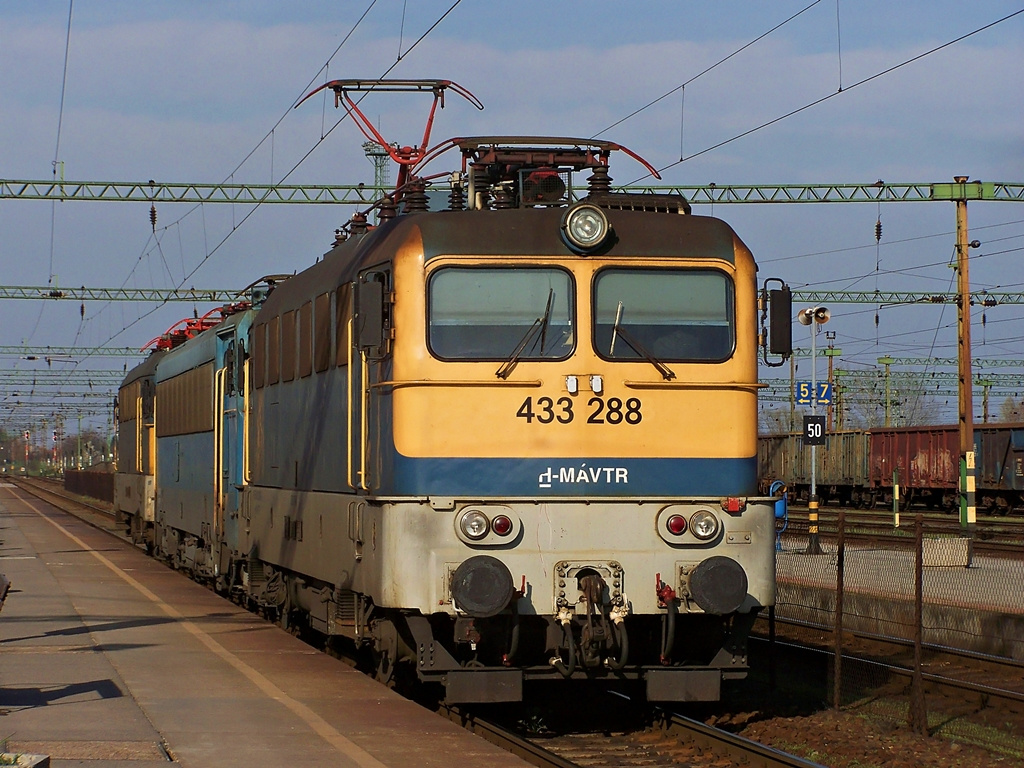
814	430
805	393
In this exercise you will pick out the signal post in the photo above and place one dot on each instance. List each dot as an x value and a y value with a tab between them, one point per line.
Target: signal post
814	426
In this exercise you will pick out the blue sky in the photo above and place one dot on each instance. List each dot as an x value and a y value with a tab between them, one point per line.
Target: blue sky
185	91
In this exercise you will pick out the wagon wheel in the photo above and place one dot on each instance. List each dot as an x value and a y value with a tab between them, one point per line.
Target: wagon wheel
907	499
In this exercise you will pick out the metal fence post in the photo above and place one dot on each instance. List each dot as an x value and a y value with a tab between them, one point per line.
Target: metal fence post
837	692
917	716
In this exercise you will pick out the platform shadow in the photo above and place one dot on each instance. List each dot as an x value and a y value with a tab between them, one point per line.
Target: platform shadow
48	696
82	630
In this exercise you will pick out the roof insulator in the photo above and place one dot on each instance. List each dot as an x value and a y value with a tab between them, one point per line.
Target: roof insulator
599	180
358	226
387	209
416	200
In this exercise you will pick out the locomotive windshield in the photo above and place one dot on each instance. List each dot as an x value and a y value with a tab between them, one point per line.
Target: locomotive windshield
485	313
672	315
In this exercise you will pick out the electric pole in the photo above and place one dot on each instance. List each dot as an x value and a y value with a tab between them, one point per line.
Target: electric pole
968	516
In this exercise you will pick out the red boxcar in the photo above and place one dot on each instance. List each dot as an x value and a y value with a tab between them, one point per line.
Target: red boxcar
925	461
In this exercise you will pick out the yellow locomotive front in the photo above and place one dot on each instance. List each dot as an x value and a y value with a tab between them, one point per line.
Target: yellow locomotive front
561	411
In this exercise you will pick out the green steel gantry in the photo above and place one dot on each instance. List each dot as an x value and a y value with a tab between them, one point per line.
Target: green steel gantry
358	194
222	295
51	353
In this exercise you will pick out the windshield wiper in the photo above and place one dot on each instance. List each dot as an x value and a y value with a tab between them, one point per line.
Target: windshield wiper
540	324
634	343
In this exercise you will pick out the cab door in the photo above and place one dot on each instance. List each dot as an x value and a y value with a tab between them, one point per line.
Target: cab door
230	397
371	326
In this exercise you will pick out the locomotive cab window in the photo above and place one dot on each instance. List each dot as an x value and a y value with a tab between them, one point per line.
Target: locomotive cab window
496	313
672	315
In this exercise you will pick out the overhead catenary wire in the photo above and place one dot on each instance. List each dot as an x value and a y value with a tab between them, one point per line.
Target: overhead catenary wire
839	46
827	97
56	164
211	251
705	71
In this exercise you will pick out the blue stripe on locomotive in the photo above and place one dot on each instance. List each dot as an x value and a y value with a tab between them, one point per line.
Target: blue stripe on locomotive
547	477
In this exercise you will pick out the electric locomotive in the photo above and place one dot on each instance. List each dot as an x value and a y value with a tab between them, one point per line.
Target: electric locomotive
135	480
511	440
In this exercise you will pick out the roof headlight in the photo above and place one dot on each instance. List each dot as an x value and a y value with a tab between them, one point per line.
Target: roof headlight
585	227
704	525
474	524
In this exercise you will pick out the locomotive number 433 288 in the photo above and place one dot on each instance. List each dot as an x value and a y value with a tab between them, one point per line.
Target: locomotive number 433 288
600	410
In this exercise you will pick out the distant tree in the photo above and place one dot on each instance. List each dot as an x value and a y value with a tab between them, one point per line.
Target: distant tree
773	418
1011	410
92	447
907	407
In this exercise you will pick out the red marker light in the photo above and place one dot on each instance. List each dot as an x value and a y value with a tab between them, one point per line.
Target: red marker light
676	525
501	525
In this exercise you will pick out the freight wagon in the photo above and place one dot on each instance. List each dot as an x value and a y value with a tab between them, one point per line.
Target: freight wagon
863	468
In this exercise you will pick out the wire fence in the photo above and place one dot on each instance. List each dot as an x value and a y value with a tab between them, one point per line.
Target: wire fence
942	609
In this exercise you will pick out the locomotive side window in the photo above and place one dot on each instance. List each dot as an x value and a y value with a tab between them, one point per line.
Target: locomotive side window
322	332
342	314
496	313
288	346
273	350
672	315
306	339
259	355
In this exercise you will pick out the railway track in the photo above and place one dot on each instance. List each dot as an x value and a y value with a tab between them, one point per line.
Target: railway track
672	739
962	672
992	536
48	489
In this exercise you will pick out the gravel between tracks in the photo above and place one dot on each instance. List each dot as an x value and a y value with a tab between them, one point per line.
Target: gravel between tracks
844	740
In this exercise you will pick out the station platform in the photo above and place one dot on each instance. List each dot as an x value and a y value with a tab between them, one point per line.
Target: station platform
110	659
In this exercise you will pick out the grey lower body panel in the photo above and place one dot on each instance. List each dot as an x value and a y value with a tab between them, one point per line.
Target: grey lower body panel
483	686
683	684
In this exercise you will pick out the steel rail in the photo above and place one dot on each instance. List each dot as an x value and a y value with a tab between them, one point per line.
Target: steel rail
741	750
532	753
980	547
948	682
35	487
713	740
902	642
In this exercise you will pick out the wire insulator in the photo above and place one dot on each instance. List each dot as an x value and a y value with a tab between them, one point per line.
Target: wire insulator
152	217
878	230
81	310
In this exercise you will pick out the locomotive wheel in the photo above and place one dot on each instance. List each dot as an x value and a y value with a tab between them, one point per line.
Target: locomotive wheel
385	651
385	672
